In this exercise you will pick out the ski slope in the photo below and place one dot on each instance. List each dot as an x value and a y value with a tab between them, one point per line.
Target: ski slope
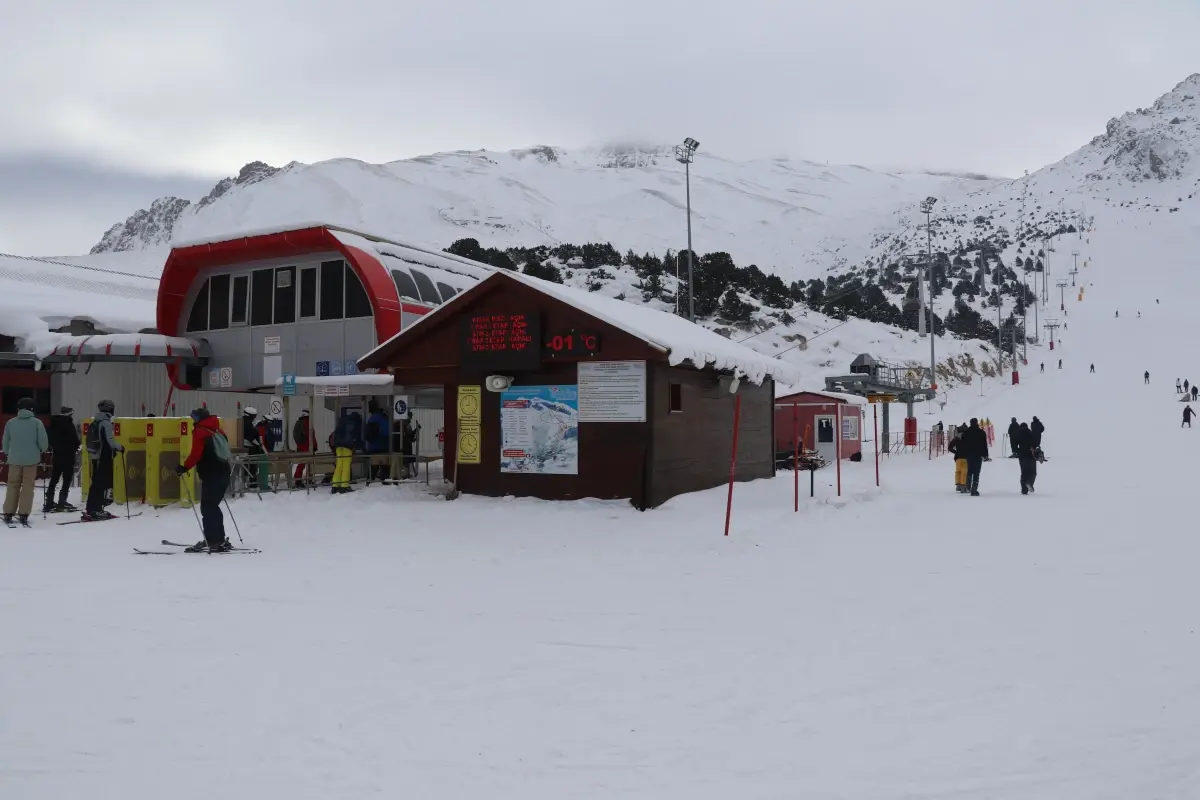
896	643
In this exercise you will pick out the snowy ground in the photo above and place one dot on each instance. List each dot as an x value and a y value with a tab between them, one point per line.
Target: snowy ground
903	643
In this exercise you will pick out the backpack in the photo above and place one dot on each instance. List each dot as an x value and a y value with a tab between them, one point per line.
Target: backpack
93	439
373	431
220	446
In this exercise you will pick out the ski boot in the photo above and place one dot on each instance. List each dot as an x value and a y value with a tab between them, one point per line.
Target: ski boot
199	547
8	520
24	520
64	506
224	546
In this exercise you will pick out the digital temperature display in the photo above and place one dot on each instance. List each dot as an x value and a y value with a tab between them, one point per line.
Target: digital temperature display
571	343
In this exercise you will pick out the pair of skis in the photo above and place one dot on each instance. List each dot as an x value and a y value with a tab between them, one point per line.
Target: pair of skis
106	519
166	543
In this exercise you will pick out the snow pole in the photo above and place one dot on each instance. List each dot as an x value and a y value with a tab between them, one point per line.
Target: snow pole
737	414
837	436
796	455
875	410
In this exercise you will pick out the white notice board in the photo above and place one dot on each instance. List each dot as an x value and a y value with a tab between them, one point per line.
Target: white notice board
612	391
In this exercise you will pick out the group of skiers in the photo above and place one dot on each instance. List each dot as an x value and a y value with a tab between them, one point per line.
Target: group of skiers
969	444
26	441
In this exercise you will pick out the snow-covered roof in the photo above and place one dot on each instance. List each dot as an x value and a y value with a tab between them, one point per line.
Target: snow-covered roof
37	294
782	391
680	339
125	347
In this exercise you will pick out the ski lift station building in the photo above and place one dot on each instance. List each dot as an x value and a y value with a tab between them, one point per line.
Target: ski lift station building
219	323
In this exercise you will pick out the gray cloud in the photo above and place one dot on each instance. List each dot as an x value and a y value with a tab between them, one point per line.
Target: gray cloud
204	88
61	206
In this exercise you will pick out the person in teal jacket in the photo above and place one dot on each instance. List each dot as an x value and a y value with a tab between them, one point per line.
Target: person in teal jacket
23	444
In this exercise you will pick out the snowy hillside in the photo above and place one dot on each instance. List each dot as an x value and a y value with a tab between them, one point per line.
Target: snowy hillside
780	213
893	643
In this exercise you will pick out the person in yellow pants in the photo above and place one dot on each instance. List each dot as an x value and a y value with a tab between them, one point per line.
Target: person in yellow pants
960	464
347	437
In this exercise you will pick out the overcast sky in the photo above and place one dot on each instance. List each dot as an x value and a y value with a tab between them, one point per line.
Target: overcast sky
107	106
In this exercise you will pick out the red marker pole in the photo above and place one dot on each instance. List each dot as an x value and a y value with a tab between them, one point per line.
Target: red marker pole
837	435
875	408
737	414
796	457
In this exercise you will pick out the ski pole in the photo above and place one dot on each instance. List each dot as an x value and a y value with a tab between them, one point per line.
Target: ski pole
191	502
125	472
234	521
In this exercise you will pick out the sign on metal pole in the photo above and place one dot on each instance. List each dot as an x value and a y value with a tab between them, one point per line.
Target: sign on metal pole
289	384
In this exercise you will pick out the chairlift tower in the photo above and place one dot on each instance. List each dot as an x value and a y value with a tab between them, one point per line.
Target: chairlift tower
1073	273
1062	295
1051	325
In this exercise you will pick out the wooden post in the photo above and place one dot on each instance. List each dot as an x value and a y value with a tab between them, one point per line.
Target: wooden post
737	414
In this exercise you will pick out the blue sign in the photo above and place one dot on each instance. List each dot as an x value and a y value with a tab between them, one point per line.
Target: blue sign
352	367
289	384
335	367
322	369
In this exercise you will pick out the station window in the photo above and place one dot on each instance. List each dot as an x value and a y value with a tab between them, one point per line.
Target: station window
405	287
262	284
239	301
332	289
308	293
447	291
218	303
285	295
428	292
676	398
357	302
11	395
198	318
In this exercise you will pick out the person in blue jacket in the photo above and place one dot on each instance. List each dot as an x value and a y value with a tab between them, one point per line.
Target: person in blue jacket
376	436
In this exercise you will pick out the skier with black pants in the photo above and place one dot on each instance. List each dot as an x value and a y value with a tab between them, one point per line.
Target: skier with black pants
1023	447
1013	428
64	444
209	456
974	447
102	447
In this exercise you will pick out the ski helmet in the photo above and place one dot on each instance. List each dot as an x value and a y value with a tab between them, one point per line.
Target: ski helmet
107	406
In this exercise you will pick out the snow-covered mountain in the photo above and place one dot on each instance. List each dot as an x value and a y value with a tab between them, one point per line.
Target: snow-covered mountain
782	214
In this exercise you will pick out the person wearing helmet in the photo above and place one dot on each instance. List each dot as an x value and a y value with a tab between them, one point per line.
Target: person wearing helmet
210	457
253	442
102	446
23	443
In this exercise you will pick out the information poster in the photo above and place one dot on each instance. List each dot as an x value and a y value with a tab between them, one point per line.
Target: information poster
539	430
850	426
612	391
470	416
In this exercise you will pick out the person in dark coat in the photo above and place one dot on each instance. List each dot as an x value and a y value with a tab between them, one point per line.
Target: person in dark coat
1037	429
64	445
102	447
347	437
305	441
1187	416
376	436
960	461
1023	447
1195	391
1013	428
974	447
256	466
209	456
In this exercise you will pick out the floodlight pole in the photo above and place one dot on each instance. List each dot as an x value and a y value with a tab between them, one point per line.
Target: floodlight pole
927	207
684	154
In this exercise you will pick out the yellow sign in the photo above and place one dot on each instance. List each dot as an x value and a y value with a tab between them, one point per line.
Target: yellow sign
470	418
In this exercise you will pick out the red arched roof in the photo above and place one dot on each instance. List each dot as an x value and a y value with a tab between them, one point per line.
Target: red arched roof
185	264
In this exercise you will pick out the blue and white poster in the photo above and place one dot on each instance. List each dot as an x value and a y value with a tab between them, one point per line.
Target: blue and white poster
539	430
